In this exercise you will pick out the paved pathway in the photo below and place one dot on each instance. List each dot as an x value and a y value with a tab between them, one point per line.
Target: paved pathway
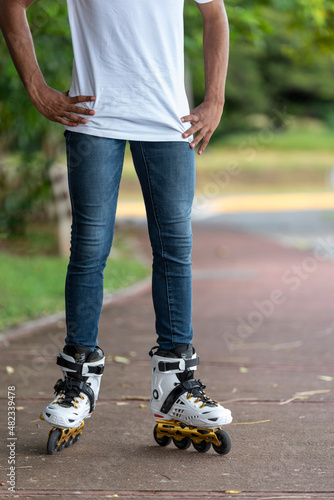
264	329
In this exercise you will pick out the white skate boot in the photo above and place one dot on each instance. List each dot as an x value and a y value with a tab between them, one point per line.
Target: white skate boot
76	394
180	406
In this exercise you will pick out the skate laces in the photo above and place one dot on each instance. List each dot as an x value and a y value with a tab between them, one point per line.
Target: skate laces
195	389
69	392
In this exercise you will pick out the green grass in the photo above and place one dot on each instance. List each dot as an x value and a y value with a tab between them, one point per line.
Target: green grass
33	286
265	170
299	159
303	139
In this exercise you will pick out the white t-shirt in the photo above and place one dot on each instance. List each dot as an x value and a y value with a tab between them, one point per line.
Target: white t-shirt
130	55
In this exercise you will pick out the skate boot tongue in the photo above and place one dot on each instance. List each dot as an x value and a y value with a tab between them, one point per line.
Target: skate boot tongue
79	353
69	393
185	351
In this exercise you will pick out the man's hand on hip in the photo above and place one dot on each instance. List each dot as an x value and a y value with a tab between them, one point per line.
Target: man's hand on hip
204	119
60	107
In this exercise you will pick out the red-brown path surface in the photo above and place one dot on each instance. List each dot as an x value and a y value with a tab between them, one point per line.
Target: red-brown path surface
276	375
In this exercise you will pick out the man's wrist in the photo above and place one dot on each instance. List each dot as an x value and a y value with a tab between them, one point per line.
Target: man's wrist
35	86
214	100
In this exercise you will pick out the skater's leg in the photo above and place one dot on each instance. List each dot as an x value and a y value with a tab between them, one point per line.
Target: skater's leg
94	172
167	175
166	171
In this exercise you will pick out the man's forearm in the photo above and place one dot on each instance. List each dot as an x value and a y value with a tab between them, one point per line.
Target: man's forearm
54	105
216	51
206	116
16	31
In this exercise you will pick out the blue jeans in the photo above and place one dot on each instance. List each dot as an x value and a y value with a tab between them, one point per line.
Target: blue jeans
166	171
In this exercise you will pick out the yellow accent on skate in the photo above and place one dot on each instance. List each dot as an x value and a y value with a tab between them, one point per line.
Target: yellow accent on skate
69	433
178	430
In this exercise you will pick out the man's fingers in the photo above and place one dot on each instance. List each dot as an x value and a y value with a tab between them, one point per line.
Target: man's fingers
67	122
204	144
74	118
81	111
192	130
204	120
197	139
81	98
190	118
187	118
205	138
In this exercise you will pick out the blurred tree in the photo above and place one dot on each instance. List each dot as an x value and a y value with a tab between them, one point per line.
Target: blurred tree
22	128
281	54
21	125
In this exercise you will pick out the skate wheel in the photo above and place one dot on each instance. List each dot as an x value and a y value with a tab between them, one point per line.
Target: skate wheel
202	446
163	441
76	438
225	443
69	442
54	437
183	444
61	446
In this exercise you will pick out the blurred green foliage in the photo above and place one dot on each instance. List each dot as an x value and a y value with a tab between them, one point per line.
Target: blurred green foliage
25	187
281	59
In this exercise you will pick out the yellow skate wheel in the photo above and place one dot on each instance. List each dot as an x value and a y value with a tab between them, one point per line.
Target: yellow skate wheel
161	440
202	446
225	443
183	444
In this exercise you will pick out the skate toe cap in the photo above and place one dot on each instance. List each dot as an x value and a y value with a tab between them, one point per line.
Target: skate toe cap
225	416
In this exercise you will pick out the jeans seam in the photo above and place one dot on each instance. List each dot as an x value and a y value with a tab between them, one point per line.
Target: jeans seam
68	306
160	239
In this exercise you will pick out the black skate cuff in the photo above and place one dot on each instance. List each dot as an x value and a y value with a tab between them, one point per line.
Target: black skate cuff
166	366
79	368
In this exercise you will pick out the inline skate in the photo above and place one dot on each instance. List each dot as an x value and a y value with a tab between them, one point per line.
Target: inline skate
183	412
76	395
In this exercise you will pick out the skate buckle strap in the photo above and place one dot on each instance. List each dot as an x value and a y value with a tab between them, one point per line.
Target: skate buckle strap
179	365
187	386
84	369
78	386
191	384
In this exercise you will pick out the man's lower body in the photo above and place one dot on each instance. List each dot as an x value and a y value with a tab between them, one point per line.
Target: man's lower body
166	172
